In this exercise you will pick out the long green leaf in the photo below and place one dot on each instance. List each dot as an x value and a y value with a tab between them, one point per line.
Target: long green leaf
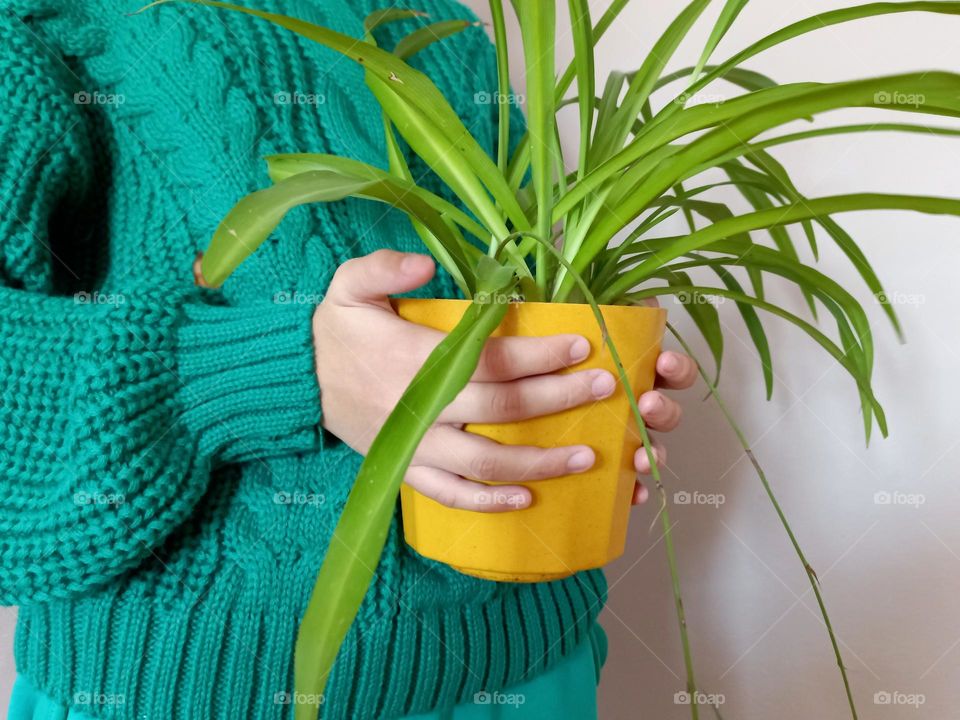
582	30
538	27
852	324
614	134
728	15
361	532
657	137
521	156
820	21
779	216
747	79
424	37
754	327
780	184
739	131
703	314
760	199
257	215
378	18
285	165
826	343
503	86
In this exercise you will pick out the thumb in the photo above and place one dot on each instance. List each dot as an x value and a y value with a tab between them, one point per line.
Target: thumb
368	280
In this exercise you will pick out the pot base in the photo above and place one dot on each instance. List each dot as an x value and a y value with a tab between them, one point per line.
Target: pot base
498	576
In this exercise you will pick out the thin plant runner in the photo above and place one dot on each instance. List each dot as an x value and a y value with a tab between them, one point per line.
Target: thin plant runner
534	230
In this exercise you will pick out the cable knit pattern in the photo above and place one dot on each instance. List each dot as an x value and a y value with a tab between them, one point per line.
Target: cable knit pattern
166	490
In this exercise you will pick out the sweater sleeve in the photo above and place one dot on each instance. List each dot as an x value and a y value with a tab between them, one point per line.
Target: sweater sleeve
117	402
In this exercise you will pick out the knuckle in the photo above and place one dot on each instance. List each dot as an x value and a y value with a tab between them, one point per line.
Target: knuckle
507	402
574	391
545	464
447	497
345	270
497	360
484	466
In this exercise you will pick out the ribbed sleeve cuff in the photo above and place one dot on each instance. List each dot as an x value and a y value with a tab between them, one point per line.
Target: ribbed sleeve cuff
249	383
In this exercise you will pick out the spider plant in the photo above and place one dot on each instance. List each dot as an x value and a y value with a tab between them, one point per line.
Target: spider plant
527	227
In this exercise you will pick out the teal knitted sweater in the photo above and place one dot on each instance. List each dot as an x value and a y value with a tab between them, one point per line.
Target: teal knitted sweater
166	490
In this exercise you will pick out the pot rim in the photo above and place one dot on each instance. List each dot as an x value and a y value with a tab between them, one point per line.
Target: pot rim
464	301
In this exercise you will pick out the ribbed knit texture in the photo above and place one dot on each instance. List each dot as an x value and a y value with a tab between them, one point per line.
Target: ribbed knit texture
166	490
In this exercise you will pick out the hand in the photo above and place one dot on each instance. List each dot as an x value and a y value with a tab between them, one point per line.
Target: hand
366	356
675	371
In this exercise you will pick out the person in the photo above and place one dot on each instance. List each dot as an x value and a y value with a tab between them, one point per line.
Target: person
174	458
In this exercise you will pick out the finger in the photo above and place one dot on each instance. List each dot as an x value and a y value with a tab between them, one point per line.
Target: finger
527	398
368	280
198	278
642	463
675	370
455	492
480	458
659	412
640	494
510	358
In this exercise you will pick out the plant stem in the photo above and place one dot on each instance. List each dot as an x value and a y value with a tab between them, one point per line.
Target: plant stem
808	569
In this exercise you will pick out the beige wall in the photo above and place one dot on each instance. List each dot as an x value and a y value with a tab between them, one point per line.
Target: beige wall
891	572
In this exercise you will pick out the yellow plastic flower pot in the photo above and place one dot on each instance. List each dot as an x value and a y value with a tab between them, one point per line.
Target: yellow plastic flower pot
576	522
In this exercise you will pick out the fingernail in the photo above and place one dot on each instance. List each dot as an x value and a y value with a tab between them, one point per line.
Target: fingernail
603	385
670	362
641	494
580	461
579	350
652	402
